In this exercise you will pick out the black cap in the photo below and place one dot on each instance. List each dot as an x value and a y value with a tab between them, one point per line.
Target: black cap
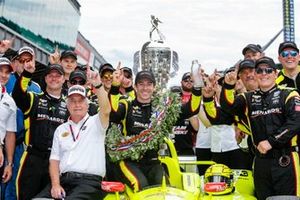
81	67
285	45
5	62
266	60
127	69
252	47
106	67
176	89
186	76
56	67
145	75
78	74
68	53
246	64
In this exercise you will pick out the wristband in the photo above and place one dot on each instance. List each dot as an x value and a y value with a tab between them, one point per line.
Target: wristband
98	86
10	164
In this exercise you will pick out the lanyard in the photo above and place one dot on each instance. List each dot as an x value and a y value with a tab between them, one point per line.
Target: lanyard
72	132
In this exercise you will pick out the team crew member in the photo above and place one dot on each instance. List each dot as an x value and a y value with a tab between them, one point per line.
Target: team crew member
253	52
77	160
18	60
135	116
8	125
274	115
43	114
288	55
289	76
78	77
106	70
185	129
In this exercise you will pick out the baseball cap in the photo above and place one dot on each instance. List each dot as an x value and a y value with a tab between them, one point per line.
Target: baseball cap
145	75
246	64
78	74
127	69
266	60
56	67
26	49
288	44
175	89
5	62
77	89
252	47
186	76
68	53
106	67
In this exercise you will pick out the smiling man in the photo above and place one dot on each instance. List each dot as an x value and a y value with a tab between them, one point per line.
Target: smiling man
274	114
134	116
43	113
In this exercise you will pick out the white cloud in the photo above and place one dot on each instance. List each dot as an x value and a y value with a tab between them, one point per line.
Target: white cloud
212	31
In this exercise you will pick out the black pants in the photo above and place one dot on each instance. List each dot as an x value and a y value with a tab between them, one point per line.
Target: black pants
141	174
271	179
33	175
203	155
235	159
77	188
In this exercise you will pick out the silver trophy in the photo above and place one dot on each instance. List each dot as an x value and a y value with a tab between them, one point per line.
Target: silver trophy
156	56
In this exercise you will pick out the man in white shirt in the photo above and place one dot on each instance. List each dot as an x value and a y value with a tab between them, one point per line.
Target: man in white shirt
8	125
77	160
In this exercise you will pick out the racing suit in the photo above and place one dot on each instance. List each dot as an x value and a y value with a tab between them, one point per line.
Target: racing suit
285	81
134	117
273	116
42	115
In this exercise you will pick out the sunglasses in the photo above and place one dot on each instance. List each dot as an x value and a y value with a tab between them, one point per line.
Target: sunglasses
188	80
107	76
267	70
77	82
292	53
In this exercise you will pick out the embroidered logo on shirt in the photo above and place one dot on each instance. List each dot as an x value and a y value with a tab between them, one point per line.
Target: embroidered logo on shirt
65	134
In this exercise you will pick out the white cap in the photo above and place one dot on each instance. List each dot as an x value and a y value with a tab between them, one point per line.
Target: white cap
77	89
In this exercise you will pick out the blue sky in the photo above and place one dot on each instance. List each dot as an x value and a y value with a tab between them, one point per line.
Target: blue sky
214	32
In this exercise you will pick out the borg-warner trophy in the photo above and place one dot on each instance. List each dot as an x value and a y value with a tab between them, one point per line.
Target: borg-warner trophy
157	56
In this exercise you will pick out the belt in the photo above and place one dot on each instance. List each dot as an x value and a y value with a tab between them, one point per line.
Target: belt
71	175
277	153
37	152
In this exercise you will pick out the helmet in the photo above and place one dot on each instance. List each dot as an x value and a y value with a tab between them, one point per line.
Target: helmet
218	180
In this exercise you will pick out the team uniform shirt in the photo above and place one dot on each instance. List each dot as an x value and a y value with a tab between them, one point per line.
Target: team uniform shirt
203	137
80	147
8	111
222	138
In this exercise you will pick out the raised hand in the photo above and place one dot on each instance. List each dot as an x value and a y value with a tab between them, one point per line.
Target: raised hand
92	76
118	75
231	77
30	65
6	44
55	57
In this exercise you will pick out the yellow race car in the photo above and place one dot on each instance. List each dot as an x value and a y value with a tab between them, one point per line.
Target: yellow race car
219	182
